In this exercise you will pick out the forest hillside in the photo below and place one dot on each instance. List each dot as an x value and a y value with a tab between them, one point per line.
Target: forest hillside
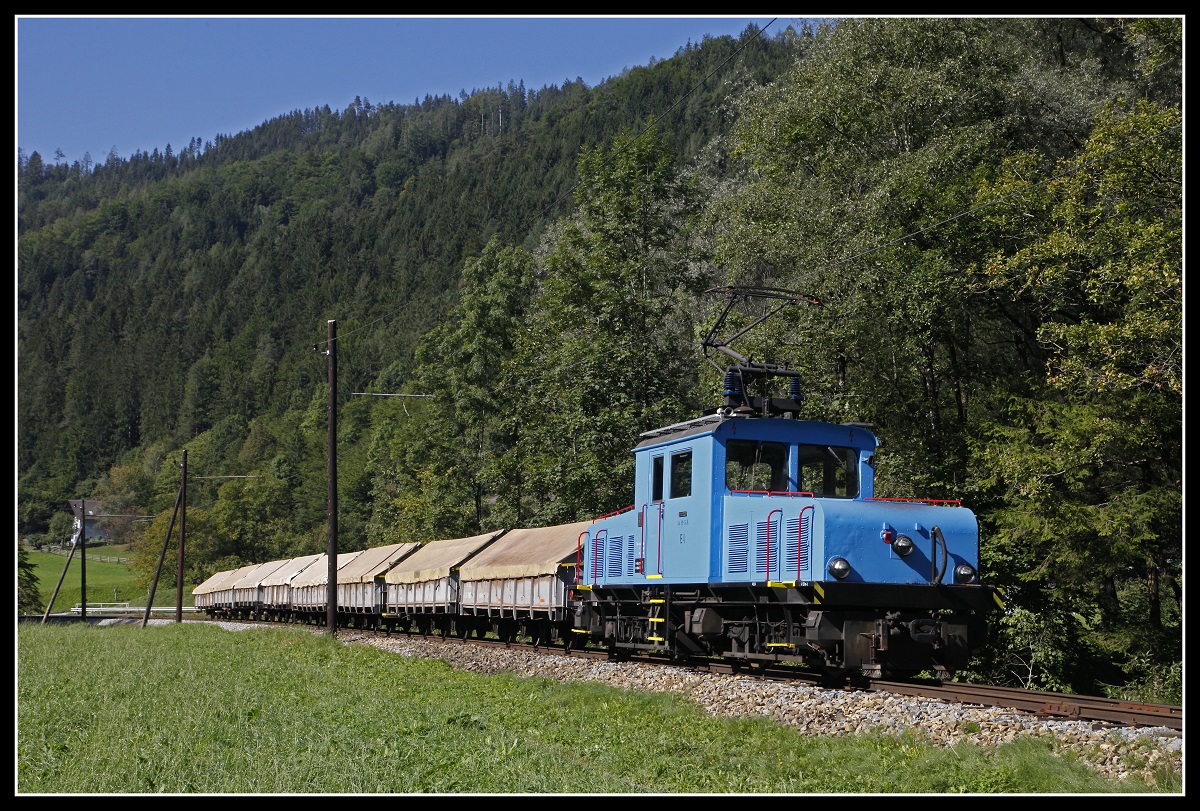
989	210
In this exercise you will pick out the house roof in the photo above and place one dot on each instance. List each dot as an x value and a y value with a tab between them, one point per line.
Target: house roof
95	507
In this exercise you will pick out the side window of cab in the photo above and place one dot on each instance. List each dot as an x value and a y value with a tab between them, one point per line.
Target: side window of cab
681	474
656	479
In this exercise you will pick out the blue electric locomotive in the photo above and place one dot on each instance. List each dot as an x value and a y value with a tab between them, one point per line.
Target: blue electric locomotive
757	536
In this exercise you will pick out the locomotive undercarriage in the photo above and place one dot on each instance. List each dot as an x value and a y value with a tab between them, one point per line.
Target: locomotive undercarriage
799	625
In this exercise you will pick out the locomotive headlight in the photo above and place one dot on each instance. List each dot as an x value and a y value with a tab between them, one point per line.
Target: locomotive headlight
902	546
964	573
839	568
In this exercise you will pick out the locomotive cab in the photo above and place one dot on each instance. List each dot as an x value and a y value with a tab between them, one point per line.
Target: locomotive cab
699	485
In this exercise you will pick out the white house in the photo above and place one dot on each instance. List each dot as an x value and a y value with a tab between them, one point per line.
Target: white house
91	521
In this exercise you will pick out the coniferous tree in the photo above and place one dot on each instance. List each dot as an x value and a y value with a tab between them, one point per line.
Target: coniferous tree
29	601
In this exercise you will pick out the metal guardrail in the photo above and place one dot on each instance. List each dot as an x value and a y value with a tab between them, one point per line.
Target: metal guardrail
124	608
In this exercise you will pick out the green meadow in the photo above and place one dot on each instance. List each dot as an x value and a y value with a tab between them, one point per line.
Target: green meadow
190	708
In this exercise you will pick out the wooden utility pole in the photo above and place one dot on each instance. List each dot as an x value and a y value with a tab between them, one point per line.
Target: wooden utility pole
61	577
331	582
163	554
182	522
83	558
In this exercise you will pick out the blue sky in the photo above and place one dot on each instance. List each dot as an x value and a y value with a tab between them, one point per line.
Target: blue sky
92	84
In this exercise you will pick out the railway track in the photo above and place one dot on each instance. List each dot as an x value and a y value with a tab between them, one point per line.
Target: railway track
1047	705
1060	706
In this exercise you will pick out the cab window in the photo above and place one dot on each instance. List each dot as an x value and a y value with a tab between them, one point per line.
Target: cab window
828	470
681	474
753	465
656	479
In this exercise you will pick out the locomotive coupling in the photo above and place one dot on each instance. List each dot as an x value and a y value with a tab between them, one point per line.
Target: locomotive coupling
925	630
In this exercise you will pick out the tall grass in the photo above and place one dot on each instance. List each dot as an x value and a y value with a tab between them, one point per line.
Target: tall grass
191	708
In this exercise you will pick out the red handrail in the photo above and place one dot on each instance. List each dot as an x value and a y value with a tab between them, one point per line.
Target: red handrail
772	512
800	536
934	501
661	508
596	553
642	524
611	514
579	556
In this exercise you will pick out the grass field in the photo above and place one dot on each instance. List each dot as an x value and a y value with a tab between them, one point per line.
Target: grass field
106	582
190	708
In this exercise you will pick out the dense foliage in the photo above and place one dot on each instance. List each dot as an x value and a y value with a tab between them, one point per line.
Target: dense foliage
996	227
990	211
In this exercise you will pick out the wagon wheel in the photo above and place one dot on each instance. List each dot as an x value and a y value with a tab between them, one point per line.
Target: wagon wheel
507	632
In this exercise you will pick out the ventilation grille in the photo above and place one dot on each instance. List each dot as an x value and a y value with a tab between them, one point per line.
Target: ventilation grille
614	549
739	548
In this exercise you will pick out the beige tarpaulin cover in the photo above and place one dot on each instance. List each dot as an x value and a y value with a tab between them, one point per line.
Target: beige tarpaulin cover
284	574
218	583
257	574
209	585
525	553
435	559
373	562
318	573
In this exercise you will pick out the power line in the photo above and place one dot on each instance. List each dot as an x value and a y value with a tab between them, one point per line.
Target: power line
373	394
317	346
118	515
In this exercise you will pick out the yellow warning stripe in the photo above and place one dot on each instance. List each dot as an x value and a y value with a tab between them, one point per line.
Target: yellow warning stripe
781	584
